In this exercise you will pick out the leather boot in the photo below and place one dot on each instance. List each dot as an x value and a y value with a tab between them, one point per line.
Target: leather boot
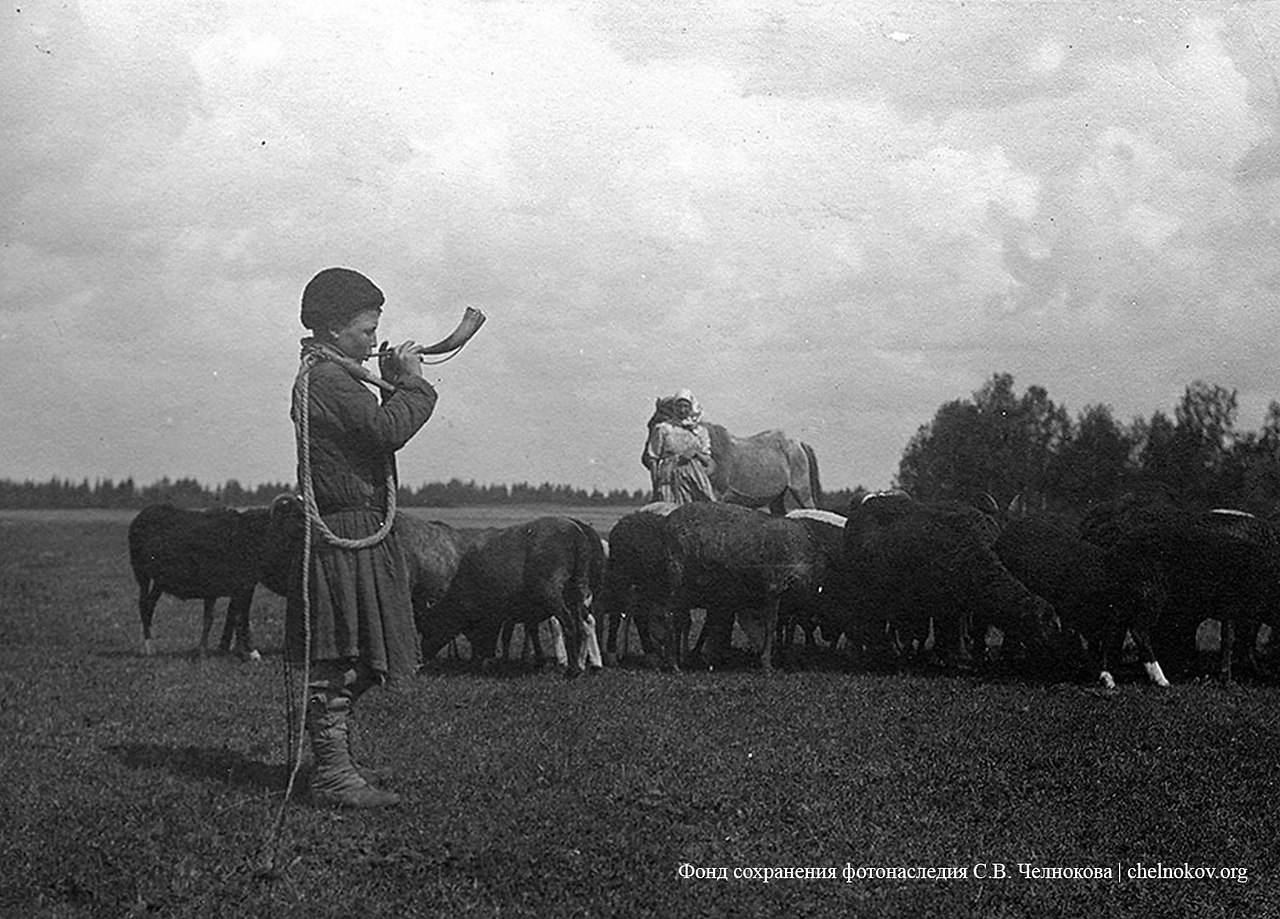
335	781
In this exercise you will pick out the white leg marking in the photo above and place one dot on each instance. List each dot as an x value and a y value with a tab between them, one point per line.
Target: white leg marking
1155	673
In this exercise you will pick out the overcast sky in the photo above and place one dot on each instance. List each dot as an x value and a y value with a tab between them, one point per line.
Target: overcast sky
828	217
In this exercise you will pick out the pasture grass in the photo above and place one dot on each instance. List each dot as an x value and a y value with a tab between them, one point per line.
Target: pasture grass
148	786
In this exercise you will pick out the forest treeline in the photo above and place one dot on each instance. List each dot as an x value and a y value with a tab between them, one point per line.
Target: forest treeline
1007	444
106	493
998	441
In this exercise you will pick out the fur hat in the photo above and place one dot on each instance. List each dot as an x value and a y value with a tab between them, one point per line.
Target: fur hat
334	296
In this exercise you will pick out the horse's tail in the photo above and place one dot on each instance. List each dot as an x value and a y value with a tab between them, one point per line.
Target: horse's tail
815	484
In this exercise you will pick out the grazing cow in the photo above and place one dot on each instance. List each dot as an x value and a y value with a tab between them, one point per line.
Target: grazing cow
1252	547
1189	566
1048	554
551	566
824	606
910	563
735	562
637	585
203	555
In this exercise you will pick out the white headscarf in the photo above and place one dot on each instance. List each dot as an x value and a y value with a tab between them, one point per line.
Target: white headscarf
695	414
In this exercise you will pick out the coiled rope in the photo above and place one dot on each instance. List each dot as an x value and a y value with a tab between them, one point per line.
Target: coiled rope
312	354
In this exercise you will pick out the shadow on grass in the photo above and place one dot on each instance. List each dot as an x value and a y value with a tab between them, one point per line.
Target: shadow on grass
191	655
213	764
493	668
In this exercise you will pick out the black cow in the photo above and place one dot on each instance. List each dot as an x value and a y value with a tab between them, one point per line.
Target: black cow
1188	566
912	564
1049	554
822	603
550	566
638	586
205	555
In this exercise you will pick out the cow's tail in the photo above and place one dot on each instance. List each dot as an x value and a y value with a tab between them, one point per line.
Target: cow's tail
588	569
815	484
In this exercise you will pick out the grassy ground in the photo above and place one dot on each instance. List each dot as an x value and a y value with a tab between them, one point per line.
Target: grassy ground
137	786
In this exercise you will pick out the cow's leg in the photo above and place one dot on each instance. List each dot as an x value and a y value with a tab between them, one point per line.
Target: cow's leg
761	625
231	630
682	625
483	640
589	648
591	639
717	626
148	596
557	640
1107	647
1226	646
237	627
504	638
769	626
1147	655
209	604
619	621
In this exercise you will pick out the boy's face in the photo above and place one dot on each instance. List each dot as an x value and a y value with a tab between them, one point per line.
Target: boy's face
359	337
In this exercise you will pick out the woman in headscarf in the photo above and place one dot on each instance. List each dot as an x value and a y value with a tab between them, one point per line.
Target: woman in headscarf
678	454
355	622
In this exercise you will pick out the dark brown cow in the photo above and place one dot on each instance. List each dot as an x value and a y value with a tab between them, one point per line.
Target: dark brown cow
738	563
550	566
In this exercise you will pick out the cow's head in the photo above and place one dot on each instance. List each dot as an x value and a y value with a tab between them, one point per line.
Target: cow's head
283	543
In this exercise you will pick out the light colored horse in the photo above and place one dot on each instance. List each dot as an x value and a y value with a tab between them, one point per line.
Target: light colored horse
757	471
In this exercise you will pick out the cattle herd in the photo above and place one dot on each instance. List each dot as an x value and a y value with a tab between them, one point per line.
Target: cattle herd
896	581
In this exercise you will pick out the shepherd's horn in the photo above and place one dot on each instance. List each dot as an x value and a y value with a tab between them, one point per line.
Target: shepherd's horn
468	325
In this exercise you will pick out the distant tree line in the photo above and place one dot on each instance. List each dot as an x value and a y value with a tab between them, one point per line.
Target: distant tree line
107	493
1004	444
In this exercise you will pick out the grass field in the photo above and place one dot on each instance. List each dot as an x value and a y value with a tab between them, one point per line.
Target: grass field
139	786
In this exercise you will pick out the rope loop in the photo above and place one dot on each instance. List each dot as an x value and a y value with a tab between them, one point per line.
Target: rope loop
302	426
